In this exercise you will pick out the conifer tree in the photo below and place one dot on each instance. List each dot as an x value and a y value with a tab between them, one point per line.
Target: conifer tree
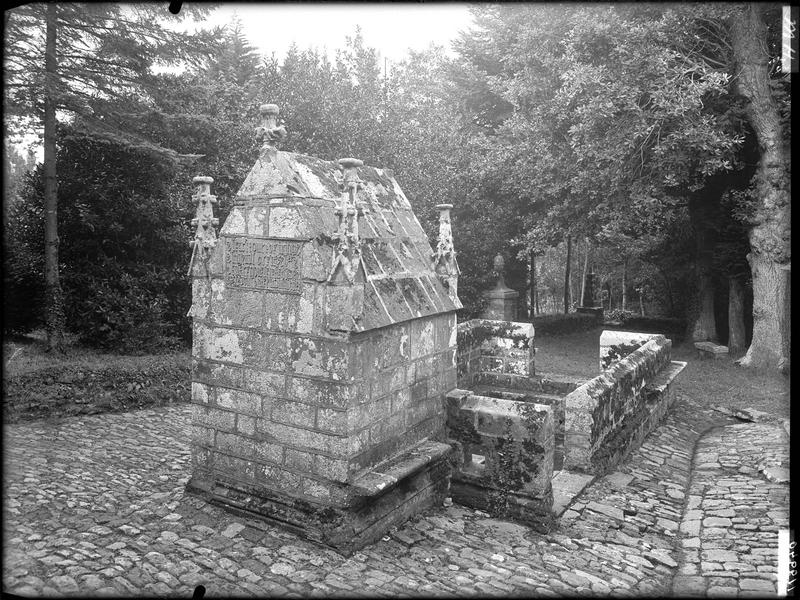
67	60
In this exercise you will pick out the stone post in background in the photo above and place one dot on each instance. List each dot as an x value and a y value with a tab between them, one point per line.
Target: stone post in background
502	299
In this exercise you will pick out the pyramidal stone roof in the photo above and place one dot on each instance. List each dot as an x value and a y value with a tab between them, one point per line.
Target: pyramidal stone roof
295	197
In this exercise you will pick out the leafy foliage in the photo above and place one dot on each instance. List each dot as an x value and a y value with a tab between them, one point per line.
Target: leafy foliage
104	51
23	263
123	245
596	121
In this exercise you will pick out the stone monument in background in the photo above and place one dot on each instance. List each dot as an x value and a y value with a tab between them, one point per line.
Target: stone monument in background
324	341
502	300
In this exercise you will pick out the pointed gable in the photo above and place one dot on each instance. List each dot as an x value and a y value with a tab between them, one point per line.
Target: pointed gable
294	197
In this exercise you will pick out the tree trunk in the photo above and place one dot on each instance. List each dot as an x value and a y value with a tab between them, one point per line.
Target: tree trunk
534	304
669	292
567	274
736	332
571	288
770	346
54	298
703	326
641	304
624	285
770	250
585	271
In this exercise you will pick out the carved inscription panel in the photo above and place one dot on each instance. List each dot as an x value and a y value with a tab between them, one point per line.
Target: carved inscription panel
263	264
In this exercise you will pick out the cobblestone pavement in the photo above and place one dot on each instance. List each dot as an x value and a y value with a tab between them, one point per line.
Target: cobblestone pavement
96	506
733	514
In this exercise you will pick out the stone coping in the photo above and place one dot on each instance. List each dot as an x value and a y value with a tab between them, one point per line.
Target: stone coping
385	476
665	377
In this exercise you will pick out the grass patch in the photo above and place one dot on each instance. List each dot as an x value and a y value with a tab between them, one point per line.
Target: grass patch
39	384
710	382
28	354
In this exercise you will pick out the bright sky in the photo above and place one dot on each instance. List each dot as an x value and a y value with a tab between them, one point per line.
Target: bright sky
389	27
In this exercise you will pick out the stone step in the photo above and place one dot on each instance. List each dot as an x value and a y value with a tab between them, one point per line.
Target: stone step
567	485
661	382
383	477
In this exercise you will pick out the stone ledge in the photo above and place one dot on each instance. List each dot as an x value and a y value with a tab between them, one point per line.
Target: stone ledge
711	350
345	528
661	382
385	476
568	485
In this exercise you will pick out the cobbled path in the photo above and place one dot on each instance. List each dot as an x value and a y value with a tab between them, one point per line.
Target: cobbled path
732	519
96	506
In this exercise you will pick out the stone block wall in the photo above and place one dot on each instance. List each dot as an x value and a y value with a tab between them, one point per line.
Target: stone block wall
310	412
400	375
514	441
610	414
495	353
555	401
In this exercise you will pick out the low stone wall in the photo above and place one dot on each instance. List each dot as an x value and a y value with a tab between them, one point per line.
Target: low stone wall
504	456
616	345
611	414
494	353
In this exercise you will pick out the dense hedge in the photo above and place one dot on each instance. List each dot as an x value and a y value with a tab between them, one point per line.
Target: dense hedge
123	231
71	390
673	328
562	324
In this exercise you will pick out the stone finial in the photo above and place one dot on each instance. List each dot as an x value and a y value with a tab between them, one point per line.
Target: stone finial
444	259
445	244
203	185
205	237
269	133
350	179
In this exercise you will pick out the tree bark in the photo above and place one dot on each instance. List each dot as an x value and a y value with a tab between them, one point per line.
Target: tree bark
54	297
669	292
769	237
624	285
736	331
585	271
703	326
534	304
567	274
